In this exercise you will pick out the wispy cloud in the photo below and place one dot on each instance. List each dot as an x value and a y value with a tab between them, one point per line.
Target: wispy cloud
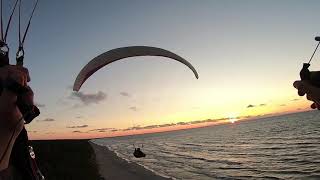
77	132
196	122
39	105
103	130
282	104
295	99
81	126
166	125
125	94
183	123
47	120
251	106
254	106
133	128
151	127
154	126
133	108
87	99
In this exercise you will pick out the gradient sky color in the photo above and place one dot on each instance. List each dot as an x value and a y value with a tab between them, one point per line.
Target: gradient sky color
247	52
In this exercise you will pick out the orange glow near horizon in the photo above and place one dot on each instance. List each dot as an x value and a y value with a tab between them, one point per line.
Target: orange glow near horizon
232	118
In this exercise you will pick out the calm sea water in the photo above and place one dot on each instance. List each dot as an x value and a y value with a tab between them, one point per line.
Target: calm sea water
284	147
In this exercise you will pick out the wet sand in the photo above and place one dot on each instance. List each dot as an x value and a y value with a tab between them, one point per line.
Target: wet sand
113	167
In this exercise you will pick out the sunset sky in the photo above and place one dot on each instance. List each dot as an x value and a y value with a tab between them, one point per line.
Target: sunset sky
247	54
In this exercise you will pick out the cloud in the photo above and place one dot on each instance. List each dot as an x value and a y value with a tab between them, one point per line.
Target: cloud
81	126
88	99
167	125
79	117
183	123
47	120
251	106
133	128
77	132
103	130
151	127
133	108
39	105
220	120
295	99
146	127
213	120
197	122
282	104
125	94
164	125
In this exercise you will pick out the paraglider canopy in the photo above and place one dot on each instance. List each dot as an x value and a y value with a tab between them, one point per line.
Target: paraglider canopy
121	53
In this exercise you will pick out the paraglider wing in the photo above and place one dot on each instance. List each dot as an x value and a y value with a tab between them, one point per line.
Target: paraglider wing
121	53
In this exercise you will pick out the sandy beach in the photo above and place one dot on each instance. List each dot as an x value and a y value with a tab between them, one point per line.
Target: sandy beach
113	167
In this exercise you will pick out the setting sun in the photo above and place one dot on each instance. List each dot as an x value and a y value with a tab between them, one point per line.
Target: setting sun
233	117
233	120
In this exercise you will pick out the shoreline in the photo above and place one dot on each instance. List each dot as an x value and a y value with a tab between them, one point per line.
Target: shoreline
113	167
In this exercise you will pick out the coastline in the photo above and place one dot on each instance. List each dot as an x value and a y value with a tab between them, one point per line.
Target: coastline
113	167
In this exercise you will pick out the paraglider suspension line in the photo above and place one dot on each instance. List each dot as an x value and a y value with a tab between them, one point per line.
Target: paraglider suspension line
10	18
20	52
21	40
1	23
314	52
5	34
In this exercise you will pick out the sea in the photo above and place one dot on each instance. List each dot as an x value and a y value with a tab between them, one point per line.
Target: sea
280	147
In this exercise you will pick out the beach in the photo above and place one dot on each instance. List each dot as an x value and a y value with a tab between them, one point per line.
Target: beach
82	159
113	167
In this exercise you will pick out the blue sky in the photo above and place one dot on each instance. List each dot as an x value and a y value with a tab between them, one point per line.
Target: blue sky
246	52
